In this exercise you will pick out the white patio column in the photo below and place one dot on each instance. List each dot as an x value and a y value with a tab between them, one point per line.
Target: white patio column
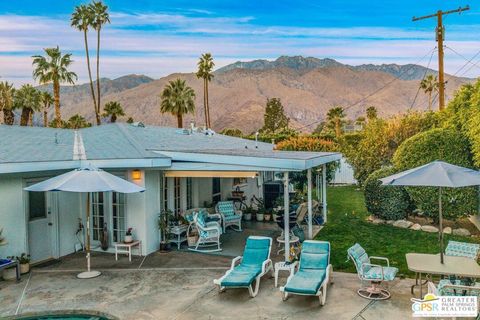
324	193
286	216
309	195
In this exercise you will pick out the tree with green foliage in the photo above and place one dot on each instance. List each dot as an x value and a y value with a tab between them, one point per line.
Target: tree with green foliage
443	144
336	119
386	202
130	120
99	18
53	68
429	84
233	132
77	122
371	113
47	100
27	99
82	20
205	72
6	102
274	119
113	109
177	99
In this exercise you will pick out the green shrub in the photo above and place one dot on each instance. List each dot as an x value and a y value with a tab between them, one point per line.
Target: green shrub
438	144
386	202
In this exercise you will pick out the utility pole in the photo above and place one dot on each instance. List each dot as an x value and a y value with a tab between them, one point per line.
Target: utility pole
440	36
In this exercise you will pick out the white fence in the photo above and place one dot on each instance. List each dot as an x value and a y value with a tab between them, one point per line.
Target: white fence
344	174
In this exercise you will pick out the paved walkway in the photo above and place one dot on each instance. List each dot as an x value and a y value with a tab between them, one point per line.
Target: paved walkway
178	285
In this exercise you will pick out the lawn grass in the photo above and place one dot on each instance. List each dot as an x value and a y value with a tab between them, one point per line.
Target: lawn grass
347	225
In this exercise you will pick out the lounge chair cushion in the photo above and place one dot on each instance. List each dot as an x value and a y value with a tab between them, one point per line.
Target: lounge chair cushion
306	281
462	249
226	208
360	257
315	255
232	218
445	288
375	273
241	276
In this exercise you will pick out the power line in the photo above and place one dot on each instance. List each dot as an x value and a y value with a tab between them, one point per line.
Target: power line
424	75
378	90
469	61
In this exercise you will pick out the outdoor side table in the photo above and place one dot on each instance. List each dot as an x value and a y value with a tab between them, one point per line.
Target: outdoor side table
179	234
429	264
6	263
126	248
294	241
279	266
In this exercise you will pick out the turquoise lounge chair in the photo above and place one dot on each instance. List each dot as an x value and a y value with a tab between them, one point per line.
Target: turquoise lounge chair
254	264
314	272
463	249
376	274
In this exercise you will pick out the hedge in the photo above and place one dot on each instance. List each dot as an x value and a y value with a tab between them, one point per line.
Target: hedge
438	144
386	202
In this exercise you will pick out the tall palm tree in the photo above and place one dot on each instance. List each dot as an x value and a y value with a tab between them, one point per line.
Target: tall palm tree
77	122
82	19
47	100
205	67
99	19
429	84
336	117
113	109
177	99
6	102
27	98
54	68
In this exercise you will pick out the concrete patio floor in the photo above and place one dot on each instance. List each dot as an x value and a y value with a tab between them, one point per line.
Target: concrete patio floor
178	285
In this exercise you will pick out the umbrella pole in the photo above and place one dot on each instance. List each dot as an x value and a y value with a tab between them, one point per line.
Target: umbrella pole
440	222
88	274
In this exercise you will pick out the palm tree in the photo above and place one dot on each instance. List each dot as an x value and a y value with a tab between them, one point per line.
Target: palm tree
336	117
82	19
205	67
371	113
47	100
27	98
429	84
77	122
100	17
6	102
54	68
113	109
177	99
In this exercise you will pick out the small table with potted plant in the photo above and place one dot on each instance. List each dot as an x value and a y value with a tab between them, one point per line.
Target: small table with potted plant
8	264
127	245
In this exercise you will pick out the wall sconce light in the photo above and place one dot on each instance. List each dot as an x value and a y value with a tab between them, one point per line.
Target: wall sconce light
136	175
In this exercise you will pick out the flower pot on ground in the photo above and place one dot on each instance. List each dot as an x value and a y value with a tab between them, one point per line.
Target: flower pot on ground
247	216
259	217
267	217
192	239
24	261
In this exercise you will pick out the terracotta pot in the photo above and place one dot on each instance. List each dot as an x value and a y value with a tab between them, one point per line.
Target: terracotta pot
267	217
24	268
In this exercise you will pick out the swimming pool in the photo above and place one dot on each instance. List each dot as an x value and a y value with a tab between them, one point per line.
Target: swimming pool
64	316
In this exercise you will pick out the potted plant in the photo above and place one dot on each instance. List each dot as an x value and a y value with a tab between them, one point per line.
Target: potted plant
128	236
268	216
164	227
247	212
260	209
24	261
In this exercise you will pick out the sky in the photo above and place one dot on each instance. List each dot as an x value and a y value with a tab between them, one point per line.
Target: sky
157	38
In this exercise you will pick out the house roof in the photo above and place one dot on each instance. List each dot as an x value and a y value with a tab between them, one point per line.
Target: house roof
119	145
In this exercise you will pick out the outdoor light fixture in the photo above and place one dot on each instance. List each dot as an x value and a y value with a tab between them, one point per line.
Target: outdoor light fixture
136	174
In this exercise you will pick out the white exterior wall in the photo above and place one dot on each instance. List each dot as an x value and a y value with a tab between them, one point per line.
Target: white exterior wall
344	174
152	210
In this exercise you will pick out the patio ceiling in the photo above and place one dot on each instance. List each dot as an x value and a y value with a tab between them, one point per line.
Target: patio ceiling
249	159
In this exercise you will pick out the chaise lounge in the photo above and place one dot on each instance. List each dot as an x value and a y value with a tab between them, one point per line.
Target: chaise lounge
314	272
254	264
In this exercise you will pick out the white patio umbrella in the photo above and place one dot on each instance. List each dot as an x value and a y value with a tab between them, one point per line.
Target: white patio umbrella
436	174
86	179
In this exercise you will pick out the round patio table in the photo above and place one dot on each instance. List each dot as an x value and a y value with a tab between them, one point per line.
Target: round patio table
294	241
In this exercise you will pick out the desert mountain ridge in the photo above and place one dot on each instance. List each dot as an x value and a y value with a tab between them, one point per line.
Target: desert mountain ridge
308	88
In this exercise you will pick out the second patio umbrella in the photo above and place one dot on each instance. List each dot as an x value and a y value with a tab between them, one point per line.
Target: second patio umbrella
86	179
436	174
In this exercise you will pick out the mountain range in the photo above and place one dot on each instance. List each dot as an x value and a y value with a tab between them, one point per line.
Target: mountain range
307	87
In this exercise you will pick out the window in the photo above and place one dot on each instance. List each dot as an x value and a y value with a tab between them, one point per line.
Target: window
189	193
216	190
37	205
118	216
165	193
98	214
176	195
